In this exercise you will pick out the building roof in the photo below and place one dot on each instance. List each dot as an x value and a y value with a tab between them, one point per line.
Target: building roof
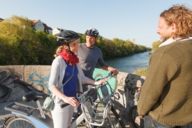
1	19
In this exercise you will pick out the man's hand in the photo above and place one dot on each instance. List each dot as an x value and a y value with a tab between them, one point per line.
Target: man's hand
101	82
114	71
138	120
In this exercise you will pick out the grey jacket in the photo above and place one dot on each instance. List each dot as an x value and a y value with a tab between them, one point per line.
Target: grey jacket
57	74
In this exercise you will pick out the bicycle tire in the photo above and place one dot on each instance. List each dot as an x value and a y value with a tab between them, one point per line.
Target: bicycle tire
19	122
119	123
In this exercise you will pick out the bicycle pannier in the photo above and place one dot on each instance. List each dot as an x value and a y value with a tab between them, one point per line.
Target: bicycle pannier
48	104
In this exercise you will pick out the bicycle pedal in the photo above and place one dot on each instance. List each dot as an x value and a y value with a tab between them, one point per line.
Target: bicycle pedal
22	109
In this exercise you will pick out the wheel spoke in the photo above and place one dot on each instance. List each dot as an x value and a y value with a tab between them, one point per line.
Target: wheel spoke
19	123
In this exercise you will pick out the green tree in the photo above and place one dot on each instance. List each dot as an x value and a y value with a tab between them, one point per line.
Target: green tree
21	44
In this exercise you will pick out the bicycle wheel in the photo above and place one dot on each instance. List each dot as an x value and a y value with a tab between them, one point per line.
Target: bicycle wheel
118	111
132	114
19	122
118	122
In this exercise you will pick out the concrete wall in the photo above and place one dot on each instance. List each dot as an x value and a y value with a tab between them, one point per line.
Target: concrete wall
38	75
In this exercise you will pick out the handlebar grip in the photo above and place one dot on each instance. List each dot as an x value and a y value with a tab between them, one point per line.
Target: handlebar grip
64	105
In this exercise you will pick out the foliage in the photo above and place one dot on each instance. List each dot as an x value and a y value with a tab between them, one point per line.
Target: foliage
118	48
21	44
141	72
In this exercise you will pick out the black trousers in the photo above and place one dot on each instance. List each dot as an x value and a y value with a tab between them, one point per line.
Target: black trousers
148	122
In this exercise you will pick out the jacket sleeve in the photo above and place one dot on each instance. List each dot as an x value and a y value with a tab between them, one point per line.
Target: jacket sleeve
54	73
84	79
101	61
161	70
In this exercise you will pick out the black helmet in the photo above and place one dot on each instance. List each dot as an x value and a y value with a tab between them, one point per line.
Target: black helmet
92	32
67	36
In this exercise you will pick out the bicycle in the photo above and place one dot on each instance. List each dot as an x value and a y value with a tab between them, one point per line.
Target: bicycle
20	112
96	113
23	115
125	112
108	94
106	98
130	94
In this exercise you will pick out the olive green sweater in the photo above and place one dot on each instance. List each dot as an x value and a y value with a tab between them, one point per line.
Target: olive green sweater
167	92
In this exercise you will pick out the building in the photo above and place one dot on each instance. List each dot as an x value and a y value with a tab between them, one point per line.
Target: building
38	25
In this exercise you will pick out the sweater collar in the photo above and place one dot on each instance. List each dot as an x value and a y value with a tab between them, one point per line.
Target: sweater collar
171	40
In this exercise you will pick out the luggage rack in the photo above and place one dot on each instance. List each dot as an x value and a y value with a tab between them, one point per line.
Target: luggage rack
20	108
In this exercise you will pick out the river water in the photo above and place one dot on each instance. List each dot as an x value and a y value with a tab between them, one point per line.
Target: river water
130	63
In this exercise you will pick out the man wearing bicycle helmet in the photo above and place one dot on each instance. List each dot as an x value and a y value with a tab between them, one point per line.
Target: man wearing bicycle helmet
90	56
66	78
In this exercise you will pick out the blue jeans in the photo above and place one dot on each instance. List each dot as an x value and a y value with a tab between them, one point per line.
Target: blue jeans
148	122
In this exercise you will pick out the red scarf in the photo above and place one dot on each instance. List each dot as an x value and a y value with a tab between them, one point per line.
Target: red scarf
69	57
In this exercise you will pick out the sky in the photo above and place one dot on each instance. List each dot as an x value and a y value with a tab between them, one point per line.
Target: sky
134	20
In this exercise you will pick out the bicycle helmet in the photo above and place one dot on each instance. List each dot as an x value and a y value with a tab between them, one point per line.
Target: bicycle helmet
66	37
92	32
57	32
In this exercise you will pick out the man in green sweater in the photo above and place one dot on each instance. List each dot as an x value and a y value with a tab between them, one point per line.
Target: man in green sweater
166	96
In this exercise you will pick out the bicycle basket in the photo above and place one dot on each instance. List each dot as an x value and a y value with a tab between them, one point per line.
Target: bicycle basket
93	114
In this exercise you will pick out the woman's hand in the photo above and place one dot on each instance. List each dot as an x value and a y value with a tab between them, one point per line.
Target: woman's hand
72	101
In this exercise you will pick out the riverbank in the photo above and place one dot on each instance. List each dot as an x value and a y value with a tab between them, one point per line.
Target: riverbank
130	63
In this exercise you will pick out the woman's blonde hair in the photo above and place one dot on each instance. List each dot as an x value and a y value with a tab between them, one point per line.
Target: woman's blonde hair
65	39
59	49
181	16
